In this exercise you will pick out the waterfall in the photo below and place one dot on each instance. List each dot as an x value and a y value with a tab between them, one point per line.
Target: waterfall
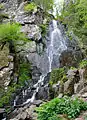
55	46
58	6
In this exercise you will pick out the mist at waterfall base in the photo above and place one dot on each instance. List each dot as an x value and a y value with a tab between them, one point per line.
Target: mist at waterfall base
56	44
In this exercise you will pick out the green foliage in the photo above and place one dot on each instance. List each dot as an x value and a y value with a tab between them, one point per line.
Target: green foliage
57	75
65	105
24	73
83	64
9	32
30	7
44	4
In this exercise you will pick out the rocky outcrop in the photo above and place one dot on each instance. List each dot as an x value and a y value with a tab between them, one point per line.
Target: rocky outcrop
24	113
76	83
2	114
6	67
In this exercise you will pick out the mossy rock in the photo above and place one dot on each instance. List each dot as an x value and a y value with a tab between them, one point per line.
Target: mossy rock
4	55
57	74
1	6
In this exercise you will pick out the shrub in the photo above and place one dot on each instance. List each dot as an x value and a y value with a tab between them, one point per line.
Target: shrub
30	7
65	105
9	32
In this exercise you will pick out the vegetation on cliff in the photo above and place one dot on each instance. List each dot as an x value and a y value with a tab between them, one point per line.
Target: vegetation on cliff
11	32
74	15
44	4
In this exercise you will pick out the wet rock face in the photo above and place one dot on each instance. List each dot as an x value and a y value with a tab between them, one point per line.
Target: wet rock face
70	58
43	93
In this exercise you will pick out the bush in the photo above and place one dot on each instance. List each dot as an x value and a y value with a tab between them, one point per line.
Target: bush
30	7
9	32
65	105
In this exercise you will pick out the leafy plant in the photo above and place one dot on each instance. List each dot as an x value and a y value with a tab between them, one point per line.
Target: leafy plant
65	105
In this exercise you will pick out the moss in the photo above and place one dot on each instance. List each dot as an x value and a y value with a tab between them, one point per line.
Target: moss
1	6
30	7
4	55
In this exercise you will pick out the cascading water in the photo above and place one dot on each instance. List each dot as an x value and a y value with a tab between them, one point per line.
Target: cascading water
55	46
